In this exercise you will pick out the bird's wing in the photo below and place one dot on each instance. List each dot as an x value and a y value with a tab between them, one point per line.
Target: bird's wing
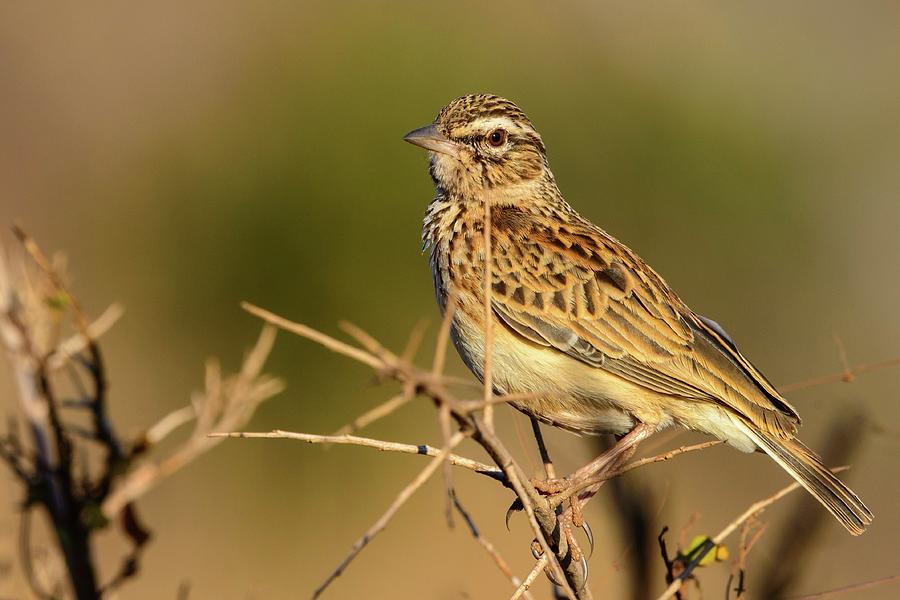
574	288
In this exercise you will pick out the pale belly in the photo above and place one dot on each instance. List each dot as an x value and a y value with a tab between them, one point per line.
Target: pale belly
575	396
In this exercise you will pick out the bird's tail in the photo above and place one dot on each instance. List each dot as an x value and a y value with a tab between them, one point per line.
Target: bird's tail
804	466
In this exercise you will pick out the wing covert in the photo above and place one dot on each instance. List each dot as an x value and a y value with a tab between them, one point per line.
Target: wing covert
574	288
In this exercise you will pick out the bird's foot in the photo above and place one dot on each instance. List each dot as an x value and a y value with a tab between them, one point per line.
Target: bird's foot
571	517
551	486
574	551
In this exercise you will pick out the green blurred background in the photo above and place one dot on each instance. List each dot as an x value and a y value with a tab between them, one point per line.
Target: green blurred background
190	157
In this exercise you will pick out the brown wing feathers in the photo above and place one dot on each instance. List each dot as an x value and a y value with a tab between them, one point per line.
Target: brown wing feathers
576	289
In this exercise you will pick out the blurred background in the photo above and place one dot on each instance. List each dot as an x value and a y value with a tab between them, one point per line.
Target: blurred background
187	158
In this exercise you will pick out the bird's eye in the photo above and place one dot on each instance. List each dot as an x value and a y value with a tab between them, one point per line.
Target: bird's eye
497	137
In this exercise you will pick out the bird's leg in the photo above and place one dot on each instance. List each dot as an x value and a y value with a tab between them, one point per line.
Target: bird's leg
567	519
623	449
572	487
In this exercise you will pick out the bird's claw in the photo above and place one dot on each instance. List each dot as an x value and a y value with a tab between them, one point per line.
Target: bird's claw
537	551
589	535
584	570
516	506
573	516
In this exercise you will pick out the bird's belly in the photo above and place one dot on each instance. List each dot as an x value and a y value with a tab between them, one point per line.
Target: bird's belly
564	392
567	393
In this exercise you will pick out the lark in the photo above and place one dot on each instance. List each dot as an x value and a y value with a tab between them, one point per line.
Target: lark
594	338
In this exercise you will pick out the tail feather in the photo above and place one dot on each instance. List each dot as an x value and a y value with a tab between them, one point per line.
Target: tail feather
803	465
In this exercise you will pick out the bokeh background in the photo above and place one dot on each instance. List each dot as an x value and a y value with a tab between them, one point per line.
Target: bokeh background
188	157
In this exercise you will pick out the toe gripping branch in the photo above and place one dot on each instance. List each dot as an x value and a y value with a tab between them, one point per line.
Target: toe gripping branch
566	518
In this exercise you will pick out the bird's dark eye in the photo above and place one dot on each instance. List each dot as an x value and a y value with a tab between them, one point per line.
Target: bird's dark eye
497	137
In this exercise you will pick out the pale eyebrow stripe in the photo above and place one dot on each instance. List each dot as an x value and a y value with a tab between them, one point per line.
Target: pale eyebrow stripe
488	124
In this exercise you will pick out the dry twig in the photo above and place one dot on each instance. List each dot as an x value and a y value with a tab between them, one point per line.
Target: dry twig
856	587
384	519
847	375
488	319
540	510
436	387
226	403
421	449
752	510
535	572
489	548
37	312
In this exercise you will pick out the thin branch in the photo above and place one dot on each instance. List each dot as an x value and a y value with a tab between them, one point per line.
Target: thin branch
538	568
842	353
447	471
437	369
352	440
849	588
380	364
382	521
488	546
316	336
440	348
226	403
488	319
41	260
549	470
846	375
71	346
25	556
169	423
378	412
13	457
666	456
754	509
415	340
365	339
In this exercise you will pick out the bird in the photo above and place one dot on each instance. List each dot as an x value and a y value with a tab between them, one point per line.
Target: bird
586	334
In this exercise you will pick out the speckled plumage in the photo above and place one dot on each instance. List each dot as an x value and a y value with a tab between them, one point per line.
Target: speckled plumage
580	321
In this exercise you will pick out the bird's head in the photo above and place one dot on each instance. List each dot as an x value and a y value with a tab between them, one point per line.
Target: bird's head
482	142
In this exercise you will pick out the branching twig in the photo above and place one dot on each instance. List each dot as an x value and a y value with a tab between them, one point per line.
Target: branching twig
856	587
754	509
665	456
37	313
379	412
227	403
435	386
382	521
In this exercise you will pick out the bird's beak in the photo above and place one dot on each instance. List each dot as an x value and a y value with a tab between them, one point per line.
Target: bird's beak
430	138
